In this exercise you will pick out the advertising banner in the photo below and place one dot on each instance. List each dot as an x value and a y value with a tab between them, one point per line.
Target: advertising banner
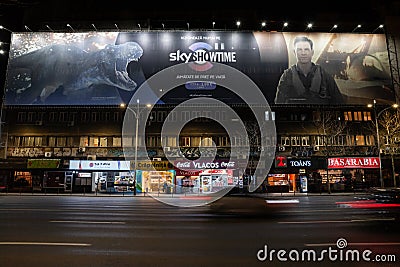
106	68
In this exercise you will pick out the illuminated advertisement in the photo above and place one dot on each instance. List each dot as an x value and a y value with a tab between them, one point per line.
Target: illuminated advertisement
106	68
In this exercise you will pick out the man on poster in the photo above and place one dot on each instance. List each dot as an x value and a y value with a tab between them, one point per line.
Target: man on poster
306	82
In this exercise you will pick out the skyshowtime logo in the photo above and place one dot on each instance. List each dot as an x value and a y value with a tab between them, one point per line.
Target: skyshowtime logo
202	55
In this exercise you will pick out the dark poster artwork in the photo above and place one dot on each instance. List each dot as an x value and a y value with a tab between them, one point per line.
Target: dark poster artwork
106	68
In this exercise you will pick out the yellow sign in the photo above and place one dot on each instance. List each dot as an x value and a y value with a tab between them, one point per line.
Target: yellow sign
43	163
147	165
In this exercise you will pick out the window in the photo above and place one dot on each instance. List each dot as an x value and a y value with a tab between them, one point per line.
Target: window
285	141
348	116
357	116
206	142
61	141
84	141
84	116
185	141
305	141
117	141
94	141
95	116
103	141
295	140
367	115
21	116
360	141
52	141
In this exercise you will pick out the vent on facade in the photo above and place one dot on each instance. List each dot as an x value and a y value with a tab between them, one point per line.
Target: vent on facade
81	149
47	154
316	148
39	122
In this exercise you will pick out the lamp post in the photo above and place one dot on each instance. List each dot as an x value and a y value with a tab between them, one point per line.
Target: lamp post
378	143
137	116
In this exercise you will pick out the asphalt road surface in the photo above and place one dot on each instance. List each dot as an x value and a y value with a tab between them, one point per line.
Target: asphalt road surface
57	231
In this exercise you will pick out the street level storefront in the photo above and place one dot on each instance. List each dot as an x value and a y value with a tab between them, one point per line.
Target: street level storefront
206	176
293	174
102	176
355	172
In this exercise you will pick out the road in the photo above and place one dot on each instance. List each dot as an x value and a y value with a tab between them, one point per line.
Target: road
100	231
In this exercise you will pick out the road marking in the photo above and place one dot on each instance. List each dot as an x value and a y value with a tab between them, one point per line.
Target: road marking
339	221
46	244
89	222
281	201
355	244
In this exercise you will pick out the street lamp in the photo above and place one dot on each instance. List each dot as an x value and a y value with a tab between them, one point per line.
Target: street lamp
378	143
137	116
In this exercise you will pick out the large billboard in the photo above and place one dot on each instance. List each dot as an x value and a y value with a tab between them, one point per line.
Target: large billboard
106	68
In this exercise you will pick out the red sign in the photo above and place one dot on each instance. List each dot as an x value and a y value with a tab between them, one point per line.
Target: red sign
280	162
353	163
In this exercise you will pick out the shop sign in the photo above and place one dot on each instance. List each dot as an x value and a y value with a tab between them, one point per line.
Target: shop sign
280	162
299	163
147	165
43	163
99	165
352	163
204	164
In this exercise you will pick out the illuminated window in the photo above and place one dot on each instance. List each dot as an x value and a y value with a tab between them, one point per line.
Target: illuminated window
348	116
360	140
367	115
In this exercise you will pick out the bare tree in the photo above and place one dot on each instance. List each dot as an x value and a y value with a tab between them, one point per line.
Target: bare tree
330	126
389	131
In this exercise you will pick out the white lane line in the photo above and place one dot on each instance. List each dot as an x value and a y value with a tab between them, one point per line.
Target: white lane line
355	244
339	221
281	201
89	222
46	244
